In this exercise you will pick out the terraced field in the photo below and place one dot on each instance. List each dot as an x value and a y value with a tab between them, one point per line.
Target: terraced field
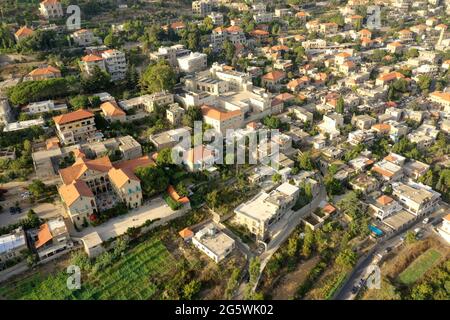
132	277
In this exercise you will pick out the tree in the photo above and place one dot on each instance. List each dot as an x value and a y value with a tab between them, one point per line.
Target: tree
191	289
229	51
158	77
164	157
305	162
346	258
424	82
340	105
32	91
37	188
153	180
292	247
276	178
272	122
79	102
192	114
182	190
111	40
96	102
6	38
97	81
308	242
410	237
232	283
212	199
254	270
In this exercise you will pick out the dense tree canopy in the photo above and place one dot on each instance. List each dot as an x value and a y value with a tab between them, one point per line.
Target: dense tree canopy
158	77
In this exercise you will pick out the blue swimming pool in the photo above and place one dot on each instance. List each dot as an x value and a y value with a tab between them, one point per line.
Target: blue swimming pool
375	230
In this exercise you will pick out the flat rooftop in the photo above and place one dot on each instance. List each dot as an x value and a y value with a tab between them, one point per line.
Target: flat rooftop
257	208
217	242
398	219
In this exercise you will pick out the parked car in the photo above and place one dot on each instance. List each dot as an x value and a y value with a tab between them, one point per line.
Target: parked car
426	220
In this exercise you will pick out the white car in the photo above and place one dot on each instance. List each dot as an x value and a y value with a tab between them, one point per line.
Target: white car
426	220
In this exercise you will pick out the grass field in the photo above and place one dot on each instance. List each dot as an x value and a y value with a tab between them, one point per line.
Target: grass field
419	266
132	277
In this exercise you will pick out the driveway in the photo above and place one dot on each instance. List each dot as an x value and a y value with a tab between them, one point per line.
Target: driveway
154	209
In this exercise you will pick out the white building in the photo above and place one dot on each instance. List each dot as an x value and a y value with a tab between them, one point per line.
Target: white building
21	125
51	9
193	62
12	245
331	124
44	106
416	198
213	242
116	64
85	37
385	206
265	209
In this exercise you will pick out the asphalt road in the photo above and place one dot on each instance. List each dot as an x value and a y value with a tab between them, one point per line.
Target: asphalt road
392	240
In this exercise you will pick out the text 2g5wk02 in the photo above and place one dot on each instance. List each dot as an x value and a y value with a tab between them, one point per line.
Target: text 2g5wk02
258	309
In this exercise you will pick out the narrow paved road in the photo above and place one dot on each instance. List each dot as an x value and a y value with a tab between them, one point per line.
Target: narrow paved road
345	293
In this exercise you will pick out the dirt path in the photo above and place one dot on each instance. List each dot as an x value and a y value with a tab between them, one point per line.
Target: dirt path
287	286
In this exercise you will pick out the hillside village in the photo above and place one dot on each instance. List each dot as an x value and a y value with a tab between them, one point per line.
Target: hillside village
355	170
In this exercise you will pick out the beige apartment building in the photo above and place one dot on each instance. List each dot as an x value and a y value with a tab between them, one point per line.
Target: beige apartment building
75	126
416	198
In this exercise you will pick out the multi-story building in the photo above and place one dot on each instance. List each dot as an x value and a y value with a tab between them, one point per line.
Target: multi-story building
51	238
127	186
90	62
331	124
193	62
444	228
170	54
116	64
87	180
222	119
51	9
75	126
174	114
273	79
234	34
112	61
79	202
416	198
442	98
384	206
202	7
264	210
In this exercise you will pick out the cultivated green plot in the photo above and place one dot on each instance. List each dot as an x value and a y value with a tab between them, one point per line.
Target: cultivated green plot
419	266
132	277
